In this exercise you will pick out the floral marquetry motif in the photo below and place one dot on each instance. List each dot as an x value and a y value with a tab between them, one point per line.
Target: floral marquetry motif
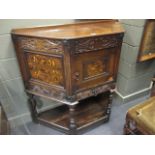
42	45
46	69
95	68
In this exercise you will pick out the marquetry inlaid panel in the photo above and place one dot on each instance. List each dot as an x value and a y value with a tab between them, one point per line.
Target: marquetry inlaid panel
46	69
94	68
42	45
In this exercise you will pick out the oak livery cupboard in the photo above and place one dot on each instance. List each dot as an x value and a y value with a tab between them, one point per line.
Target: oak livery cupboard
74	64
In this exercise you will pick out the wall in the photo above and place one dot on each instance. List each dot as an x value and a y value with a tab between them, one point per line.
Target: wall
12	95
133	78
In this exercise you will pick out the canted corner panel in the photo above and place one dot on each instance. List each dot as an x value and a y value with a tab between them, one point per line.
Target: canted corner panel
41	45
45	69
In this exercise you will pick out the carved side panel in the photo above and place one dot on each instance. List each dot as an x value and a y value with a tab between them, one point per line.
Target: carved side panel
46	69
90	44
42	45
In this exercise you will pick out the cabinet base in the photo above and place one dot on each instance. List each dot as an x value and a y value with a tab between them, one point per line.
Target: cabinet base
88	114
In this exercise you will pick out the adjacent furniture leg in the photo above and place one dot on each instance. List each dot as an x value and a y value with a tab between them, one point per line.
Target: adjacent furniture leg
72	123
130	127
127	127
32	104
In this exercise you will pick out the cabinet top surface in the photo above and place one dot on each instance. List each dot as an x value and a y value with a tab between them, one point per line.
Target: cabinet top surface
73	31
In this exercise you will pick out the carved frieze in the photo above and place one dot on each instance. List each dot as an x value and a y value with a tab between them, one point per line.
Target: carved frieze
46	69
90	44
47	91
94	91
42	45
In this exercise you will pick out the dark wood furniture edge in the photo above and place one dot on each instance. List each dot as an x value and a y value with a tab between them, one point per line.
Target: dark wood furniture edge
131	128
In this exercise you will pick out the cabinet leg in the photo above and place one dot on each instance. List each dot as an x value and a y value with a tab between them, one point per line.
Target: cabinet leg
72	123
109	103
32	104
126	128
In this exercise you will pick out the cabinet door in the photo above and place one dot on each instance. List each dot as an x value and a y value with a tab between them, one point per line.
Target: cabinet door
94	68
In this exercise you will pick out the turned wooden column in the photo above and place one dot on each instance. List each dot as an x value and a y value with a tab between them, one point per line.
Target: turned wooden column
33	105
111	92
127	127
72	121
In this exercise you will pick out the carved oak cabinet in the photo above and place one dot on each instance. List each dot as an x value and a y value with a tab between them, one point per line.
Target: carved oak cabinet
70	64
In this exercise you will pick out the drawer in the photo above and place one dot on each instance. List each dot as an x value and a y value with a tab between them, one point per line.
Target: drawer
93	68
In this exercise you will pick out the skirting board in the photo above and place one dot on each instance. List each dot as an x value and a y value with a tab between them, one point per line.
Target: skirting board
135	95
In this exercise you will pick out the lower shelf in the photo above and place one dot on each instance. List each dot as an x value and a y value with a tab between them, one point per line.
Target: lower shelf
88	113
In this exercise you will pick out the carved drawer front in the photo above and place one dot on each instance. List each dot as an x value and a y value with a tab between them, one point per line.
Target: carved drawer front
45	69
41	45
92	69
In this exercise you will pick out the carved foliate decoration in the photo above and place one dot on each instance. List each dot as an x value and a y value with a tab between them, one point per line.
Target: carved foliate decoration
47	91
42	45
94	91
90	44
46	69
